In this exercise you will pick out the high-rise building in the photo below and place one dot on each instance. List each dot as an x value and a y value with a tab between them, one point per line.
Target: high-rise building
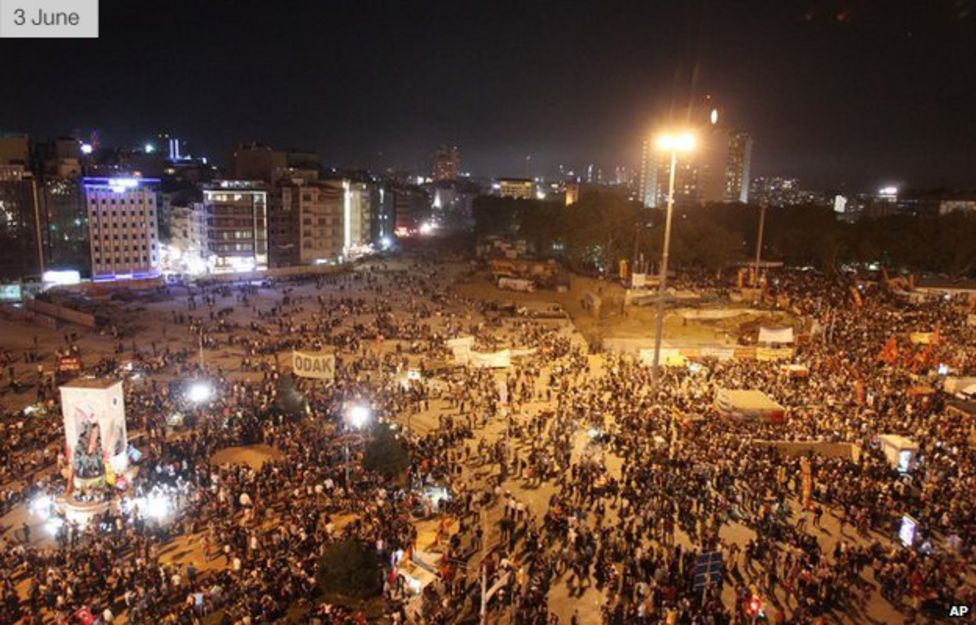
236	214
123	229
66	219
21	247
447	163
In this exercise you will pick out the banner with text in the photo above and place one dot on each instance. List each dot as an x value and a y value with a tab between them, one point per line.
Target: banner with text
318	365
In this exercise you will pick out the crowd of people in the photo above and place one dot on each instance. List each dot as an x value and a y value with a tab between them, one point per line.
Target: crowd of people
568	470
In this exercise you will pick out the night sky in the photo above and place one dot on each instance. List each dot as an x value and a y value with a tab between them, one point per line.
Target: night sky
844	94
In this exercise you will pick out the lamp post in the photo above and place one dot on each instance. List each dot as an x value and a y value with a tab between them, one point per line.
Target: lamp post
356	417
673	143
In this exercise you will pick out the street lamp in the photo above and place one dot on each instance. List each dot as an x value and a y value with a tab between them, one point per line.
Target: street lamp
356	417
673	143
200	392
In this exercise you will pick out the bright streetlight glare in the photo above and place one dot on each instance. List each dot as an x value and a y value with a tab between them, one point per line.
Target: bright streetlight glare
681	142
200	392
358	416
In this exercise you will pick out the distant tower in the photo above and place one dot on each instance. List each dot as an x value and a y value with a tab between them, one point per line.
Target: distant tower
447	163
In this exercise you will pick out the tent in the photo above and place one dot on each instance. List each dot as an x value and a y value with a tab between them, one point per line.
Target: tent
749	405
961	387
775	336
899	450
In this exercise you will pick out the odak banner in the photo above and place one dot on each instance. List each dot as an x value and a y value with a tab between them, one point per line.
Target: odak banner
316	365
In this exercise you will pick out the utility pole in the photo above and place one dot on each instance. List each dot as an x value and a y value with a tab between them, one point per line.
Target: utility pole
759	240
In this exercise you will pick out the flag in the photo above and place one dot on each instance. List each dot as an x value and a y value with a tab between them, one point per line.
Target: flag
857	296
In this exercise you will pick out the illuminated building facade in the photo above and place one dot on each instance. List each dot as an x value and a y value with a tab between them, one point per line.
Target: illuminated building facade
236	214
517	188
123	229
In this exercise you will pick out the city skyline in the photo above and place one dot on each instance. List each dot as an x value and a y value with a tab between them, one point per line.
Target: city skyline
525	92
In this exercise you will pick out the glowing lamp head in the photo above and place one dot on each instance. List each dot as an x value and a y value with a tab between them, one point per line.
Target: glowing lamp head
358	416
680	142
200	392
149	148
86	149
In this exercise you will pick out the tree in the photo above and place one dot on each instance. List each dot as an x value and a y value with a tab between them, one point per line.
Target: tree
350	569
385	454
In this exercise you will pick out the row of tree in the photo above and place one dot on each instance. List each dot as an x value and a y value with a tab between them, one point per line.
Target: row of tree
595	233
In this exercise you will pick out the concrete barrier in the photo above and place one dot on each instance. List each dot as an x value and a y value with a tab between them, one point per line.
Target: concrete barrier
61	312
28	316
847	451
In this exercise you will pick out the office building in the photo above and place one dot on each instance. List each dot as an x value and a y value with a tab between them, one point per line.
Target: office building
21	235
447	163
236	214
123	229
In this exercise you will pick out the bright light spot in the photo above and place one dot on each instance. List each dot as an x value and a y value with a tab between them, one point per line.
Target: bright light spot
714	116
53	524
86	148
888	191
242	263
694	367
200	392
943	369
386	242
41	506
157	506
427	227
684	142
540	194
121	185
593	432
358	415
150	148
62	278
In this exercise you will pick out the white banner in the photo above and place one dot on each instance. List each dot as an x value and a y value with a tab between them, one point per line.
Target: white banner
638	280
497	360
318	365
775	335
461	348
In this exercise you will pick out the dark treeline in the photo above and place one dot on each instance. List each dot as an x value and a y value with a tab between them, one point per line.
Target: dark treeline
602	228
